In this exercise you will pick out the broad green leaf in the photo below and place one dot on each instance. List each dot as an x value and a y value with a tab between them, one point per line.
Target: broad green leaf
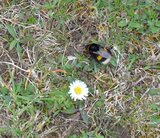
73	136
150	23
154	29
154	107
157	23
134	25
31	20
13	44
155	119
19	49
49	5
101	3
84	134
132	59
157	7
154	91
113	62
84	116
11	30
122	23
147	67
69	111
100	136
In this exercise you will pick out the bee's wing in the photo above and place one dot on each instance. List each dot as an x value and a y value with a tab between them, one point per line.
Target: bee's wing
103	53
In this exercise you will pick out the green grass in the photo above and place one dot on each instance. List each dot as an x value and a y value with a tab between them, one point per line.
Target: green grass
38	38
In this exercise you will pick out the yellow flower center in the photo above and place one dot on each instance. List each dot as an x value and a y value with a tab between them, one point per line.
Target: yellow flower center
78	90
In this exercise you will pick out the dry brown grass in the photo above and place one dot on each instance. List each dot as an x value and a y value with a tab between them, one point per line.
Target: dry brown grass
120	103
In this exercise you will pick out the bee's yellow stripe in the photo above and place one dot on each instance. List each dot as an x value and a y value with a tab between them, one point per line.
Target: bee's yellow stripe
99	57
105	49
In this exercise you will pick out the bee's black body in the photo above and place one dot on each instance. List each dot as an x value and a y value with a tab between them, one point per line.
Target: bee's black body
99	53
93	47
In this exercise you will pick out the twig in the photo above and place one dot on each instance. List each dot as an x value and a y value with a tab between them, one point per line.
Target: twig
1	62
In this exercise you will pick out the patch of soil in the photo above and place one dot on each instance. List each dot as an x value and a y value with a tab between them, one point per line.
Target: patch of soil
6	56
4	122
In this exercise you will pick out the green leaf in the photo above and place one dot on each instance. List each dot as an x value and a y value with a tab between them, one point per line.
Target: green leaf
154	91
154	29
49	5
135	25
122	23
11	30
31	20
13	44
84	135
101	3
84	117
27	39
147	67
73	136
157	7
132	59
69	111
157	23
19	49
150	23
113	62
154	107
155	119
100	136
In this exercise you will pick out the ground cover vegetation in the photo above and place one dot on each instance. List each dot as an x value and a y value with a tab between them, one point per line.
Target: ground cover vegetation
42	53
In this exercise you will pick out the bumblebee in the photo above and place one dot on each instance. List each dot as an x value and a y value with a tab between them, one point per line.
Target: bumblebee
100	54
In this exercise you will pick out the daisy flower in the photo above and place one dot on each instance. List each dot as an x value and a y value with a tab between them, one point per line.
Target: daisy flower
78	90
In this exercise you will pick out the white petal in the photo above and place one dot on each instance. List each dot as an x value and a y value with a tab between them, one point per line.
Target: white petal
84	88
